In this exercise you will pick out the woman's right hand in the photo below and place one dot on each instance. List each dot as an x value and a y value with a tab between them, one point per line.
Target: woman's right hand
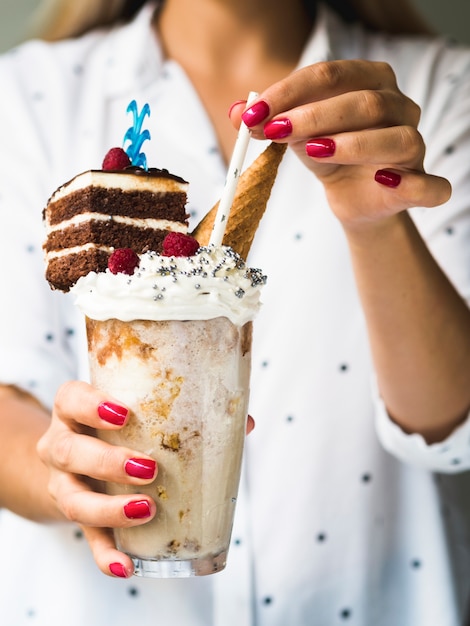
78	462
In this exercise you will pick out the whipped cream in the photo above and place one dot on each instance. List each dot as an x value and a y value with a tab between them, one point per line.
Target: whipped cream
215	282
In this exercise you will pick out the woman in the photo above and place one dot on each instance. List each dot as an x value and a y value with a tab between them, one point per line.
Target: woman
363	323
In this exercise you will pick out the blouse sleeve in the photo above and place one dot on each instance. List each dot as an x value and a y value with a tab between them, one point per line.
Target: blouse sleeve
36	328
446	130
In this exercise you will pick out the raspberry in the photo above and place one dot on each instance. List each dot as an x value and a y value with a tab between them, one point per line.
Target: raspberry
124	261
179	244
116	159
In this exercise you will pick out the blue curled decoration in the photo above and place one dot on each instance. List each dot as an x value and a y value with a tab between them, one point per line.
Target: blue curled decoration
136	135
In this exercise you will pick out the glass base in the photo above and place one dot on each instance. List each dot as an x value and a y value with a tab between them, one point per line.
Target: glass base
171	568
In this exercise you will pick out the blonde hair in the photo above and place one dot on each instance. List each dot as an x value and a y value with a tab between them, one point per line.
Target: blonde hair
59	19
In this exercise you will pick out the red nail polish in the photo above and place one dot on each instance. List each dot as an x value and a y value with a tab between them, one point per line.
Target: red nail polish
320	148
278	129
137	509
112	413
256	113
117	569
236	103
140	468
389	179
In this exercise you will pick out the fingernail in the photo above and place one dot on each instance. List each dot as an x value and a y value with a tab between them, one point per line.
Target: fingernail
256	113
117	569
320	148
137	509
389	179
112	413
140	468
236	103
278	129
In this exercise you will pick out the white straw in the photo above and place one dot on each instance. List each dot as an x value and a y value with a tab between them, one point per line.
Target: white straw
231	181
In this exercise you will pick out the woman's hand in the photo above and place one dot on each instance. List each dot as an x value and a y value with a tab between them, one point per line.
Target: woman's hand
354	129
76	460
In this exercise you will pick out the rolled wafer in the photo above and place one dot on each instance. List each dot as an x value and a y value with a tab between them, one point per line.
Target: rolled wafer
249	203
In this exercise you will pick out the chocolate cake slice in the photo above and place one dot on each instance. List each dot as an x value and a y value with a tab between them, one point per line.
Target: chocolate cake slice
99	211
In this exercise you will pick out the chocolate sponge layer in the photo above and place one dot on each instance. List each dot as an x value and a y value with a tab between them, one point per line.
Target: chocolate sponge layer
106	234
63	272
139	204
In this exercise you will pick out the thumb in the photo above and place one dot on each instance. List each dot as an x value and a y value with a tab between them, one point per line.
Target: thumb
235	112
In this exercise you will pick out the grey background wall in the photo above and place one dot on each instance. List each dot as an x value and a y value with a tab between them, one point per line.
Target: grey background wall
451	17
14	15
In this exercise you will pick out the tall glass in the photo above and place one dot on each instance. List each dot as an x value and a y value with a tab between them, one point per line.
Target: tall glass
187	385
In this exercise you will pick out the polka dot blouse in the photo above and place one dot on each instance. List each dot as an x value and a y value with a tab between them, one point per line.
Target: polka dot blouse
342	519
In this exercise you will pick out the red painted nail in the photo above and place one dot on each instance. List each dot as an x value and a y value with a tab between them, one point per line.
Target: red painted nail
140	468
256	113
320	148
117	569
389	179
112	413
236	103
278	129
137	509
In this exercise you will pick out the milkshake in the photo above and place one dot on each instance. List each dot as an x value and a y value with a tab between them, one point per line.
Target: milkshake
173	342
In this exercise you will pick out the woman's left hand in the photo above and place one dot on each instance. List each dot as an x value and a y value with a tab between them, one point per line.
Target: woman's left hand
356	131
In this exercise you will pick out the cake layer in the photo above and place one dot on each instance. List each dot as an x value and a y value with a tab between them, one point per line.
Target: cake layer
64	271
110	233
136	203
152	180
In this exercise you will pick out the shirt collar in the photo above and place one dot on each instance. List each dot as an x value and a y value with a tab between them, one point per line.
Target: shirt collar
317	47
330	38
135	57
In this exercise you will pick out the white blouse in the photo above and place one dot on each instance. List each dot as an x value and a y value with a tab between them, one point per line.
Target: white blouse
342	518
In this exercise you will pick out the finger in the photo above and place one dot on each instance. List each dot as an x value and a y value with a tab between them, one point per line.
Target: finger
318	82
82	454
79	504
407	189
111	561
401	145
77	403
250	424
349	112
236	109
355	111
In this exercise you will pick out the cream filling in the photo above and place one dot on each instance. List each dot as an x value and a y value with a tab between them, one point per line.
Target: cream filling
152	223
58	254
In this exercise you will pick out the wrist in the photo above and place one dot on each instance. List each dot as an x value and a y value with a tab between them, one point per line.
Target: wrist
387	230
23	476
